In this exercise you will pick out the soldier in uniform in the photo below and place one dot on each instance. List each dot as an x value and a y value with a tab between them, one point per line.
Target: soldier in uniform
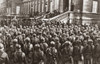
8	42
20	39
3	55
35	40
43	45
38	55
58	47
28	49
52	54
76	52
12	49
88	51
96	52
19	56
66	53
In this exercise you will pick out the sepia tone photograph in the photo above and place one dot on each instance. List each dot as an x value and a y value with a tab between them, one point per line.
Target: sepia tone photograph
49	31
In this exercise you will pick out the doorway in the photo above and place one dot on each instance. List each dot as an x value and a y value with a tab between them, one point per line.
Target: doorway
65	5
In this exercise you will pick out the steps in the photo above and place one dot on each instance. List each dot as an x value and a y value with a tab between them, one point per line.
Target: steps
76	17
61	17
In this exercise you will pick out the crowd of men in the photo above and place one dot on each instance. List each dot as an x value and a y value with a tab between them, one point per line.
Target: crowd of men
50	43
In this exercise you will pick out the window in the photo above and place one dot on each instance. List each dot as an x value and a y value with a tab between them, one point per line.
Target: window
17	9
95	7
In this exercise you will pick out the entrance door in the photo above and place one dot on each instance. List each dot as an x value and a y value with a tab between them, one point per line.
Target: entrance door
65	5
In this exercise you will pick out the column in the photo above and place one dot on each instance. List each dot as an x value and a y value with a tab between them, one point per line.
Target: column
56	4
61	6
23	8
40	5
99	6
49	5
13	7
20	9
32	7
87	5
44	6
53	5
37	5
70	3
27	8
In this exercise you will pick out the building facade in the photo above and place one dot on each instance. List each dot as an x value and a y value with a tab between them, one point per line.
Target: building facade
3	8
82	10
87	10
43	6
26	7
10	7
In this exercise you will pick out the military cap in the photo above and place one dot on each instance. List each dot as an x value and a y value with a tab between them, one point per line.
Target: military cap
18	46
15	41
57	39
67	43
27	39
37	45
90	40
0	34
8	34
52	43
42	39
98	39
34	35
45	44
1	46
